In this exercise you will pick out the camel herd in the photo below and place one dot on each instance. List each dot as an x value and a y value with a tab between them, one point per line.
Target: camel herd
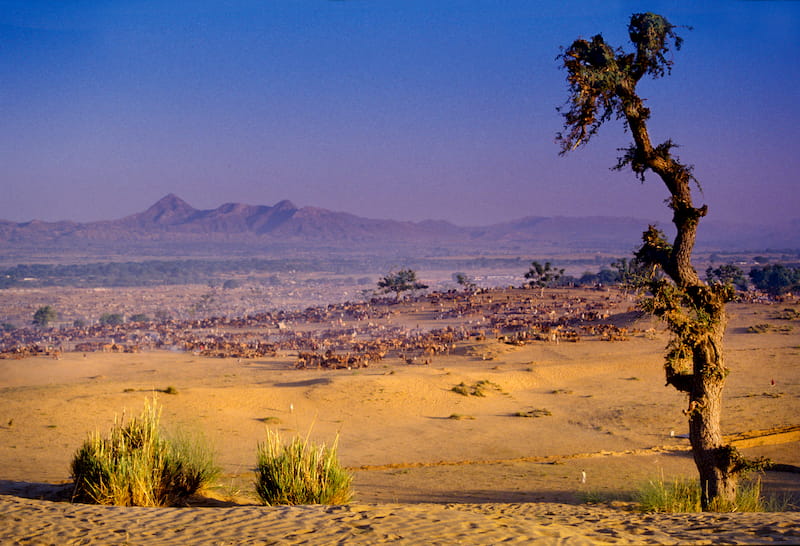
351	335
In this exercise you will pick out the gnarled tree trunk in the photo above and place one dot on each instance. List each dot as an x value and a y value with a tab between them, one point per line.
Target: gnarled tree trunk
718	475
603	82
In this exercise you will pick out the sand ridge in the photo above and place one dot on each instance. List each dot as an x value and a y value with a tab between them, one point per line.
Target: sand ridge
27	521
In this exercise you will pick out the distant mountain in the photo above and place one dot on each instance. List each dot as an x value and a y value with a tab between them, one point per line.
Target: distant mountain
173	214
171	225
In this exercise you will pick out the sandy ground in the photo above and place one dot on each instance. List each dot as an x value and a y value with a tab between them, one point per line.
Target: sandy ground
431	466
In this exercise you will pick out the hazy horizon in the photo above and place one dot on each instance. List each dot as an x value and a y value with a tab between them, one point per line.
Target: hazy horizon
403	110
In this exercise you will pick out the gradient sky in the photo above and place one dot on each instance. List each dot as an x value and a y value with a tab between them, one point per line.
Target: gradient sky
399	109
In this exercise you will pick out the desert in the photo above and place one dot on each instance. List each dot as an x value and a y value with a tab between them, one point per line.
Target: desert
565	432
399	272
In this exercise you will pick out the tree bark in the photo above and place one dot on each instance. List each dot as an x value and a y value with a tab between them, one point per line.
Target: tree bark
718	476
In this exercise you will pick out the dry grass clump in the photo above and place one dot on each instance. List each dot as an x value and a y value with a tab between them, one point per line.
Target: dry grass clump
683	495
136	465
788	313
536	412
476	389
300	472
764	327
460	417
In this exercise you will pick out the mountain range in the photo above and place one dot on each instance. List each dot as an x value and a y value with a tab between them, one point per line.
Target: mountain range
172	225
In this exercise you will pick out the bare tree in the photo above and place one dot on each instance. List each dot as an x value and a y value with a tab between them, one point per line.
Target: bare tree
602	83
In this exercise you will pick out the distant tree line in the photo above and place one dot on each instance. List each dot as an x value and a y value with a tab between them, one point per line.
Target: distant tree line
200	271
145	273
774	279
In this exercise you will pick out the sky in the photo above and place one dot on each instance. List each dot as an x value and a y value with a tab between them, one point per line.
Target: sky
393	109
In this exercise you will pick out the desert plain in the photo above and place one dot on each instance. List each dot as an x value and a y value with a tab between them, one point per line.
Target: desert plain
553	451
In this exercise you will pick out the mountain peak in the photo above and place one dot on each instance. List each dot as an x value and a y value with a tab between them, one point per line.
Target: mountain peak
285	205
170	202
170	209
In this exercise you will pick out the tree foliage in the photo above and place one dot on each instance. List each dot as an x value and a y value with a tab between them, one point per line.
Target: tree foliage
727	274
776	279
543	276
111	319
44	316
400	281
462	279
632	273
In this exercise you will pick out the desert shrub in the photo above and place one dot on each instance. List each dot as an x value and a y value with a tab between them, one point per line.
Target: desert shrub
300	472
137	465
683	495
111	319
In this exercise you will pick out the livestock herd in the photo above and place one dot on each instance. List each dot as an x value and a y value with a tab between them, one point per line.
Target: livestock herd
353	335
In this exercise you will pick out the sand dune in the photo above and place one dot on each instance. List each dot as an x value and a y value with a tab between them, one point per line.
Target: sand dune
41	522
431	466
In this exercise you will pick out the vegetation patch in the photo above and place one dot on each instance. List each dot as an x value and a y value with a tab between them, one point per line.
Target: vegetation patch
766	394
460	417
788	313
683	495
536	412
481	388
137	465
764	327
300	472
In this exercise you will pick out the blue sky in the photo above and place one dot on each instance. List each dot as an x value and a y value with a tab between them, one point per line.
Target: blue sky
397	109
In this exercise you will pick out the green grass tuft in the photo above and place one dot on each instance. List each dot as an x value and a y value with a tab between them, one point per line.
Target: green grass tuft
300	472
136	465
683	495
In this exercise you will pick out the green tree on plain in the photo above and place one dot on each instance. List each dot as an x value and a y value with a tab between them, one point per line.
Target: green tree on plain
727	274
543	276
464	280
603	86
111	319
400	281
44	316
775	279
